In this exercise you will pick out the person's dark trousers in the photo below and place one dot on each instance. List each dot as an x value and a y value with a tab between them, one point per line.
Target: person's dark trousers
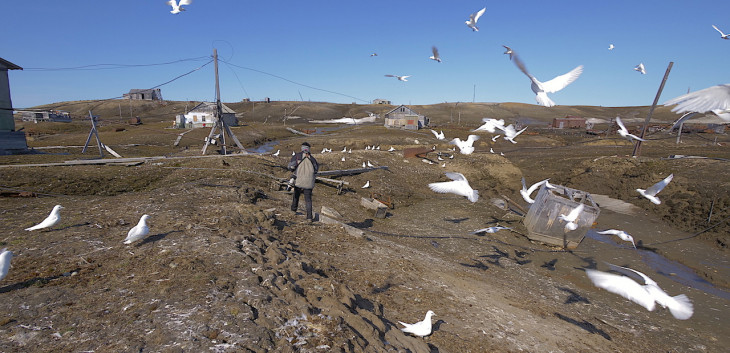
307	200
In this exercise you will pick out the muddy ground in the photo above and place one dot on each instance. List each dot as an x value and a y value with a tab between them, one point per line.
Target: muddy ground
227	267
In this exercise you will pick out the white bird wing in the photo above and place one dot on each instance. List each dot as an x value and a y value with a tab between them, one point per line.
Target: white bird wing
185	2
521	65
534	186
704	100
475	16
435	52
172	3
656	188
623	286
574	213
446	187
403	78
456	176
621	125
562	81
610	231
470	140
717	29
435	133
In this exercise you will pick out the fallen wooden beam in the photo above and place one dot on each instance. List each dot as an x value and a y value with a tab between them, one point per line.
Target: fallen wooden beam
349	171
297	132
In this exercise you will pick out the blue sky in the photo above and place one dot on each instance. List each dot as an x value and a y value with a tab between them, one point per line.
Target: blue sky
327	45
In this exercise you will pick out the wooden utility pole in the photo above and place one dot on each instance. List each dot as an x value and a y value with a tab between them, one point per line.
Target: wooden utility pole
637	147
220	123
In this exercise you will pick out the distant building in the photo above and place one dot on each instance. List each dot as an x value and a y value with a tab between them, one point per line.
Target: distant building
11	141
381	101
48	115
144	94
405	118
569	122
203	115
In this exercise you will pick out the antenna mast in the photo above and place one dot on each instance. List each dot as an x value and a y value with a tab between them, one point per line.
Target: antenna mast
220	123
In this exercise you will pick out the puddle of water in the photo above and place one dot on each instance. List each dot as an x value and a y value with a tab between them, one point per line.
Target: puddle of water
671	269
267	147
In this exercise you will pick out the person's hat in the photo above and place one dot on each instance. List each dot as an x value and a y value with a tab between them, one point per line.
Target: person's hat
306	146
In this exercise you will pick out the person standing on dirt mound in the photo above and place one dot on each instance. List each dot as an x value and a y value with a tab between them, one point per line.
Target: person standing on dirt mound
304	167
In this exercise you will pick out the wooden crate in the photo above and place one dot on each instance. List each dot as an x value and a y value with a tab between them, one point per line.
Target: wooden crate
379	208
542	220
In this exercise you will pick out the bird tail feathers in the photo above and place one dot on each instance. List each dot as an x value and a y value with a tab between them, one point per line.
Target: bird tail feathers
683	309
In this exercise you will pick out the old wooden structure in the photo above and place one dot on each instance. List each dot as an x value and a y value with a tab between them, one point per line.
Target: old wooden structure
542	220
11	141
57	116
569	122
153	94
405	118
204	115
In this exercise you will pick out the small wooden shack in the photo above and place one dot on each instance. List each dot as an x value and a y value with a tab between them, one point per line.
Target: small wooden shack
203	115
144	94
405	118
569	122
57	116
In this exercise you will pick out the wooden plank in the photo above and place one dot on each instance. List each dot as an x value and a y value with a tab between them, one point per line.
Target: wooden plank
349	171
297	132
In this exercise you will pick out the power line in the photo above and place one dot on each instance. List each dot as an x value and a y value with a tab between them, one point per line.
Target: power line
294	82
110	66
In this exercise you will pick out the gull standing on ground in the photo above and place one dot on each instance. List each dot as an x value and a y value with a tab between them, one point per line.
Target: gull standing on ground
508	51
473	18
715	99
489	230
421	328
645	295
610	47
572	217
364	165
367	185
391	149
466	147
5	257
541	89
722	35
651	192
490	125
277	153
459	186
139	231
621	234
510	133
370	165
624	132
400	78
50	221
435	56
176	8
640	68
439	136
343	158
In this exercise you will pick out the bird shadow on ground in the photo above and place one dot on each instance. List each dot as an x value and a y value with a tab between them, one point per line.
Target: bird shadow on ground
368	223
584	325
574	297
589	260
550	265
456	220
74	226
477	264
40	281
498	255
156	237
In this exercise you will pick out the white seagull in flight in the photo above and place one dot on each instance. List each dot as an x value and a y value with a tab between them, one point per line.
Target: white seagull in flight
435	56
176	8
526	192
640	68
651	192
491	125
541	89
400	78
610	47
465	147
621	234
715	99
473	18
624	132
439	136
510	132
459	186
421	328
508	51
572	217
722	35
646	295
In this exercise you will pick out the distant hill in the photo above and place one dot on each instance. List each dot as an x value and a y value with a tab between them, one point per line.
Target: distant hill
441	113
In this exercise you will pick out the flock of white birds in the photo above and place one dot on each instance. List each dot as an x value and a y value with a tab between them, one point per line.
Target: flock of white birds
714	99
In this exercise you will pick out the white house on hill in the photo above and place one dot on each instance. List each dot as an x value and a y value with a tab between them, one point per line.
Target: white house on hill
203	115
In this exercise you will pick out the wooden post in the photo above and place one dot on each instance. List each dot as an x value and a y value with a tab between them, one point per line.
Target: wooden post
94	132
637	147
